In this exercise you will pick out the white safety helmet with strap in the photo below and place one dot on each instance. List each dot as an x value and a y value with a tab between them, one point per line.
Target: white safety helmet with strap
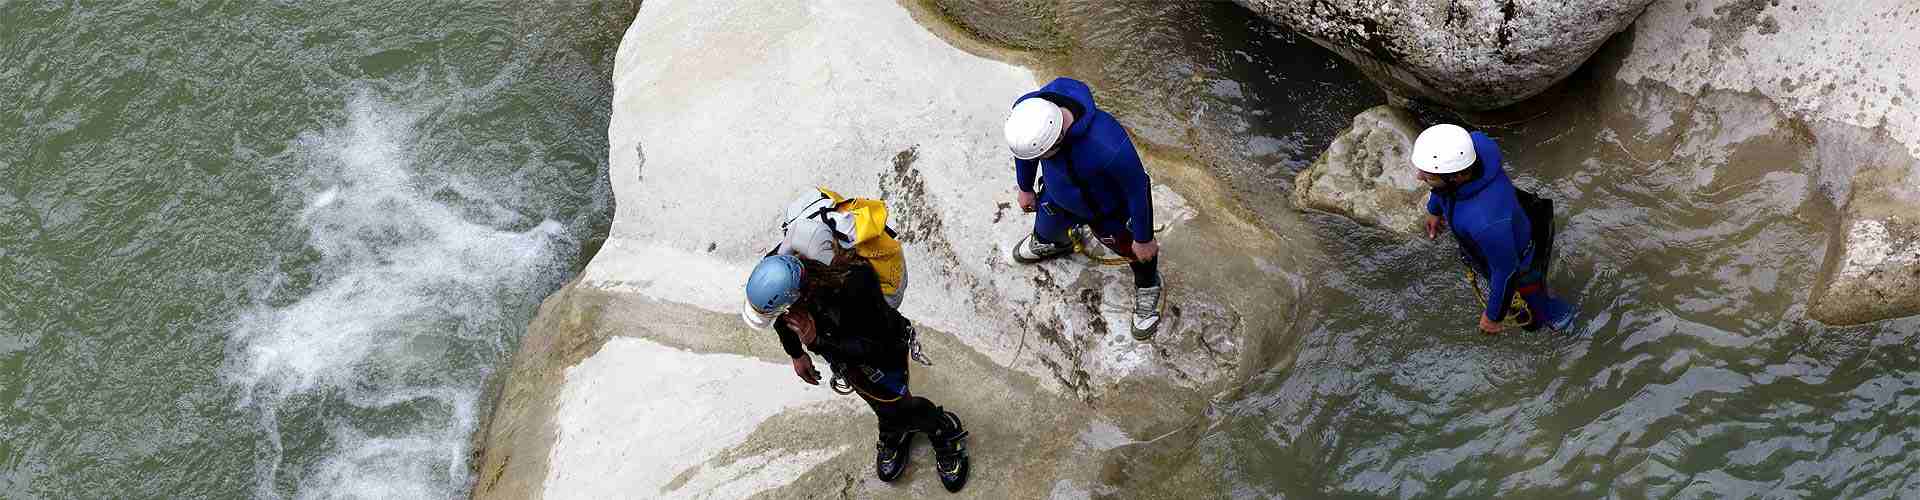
1033	127
1443	149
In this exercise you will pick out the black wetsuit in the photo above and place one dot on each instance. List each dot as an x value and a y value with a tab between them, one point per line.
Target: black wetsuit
865	340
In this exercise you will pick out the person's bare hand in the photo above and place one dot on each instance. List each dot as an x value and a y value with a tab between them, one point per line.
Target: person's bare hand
1490	327
1434	223
803	366
1146	252
1026	201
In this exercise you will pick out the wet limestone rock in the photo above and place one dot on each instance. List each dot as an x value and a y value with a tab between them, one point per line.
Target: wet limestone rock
1020	24
1365	174
640	380
1842	69
1874	273
1469	54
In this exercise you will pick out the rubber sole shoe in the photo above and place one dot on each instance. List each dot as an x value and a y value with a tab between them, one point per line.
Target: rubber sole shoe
950	456
1146	312
890	457
1031	250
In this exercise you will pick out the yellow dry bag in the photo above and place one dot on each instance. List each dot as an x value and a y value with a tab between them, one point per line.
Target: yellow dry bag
871	237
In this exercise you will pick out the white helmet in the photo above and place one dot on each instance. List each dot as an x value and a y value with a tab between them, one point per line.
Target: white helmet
1443	149
1033	128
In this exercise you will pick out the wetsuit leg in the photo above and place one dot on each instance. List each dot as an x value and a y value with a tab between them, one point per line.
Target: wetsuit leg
1051	224
1116	237
897	409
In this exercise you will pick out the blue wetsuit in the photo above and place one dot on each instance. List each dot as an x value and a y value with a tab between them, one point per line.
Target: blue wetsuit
1485	217
1095	179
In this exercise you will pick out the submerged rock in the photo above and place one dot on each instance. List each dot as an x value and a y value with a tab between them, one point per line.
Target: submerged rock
1873	273
1842	69
1469	54
1365	174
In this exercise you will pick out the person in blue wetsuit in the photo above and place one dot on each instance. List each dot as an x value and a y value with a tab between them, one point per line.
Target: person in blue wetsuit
1091	177
1473	196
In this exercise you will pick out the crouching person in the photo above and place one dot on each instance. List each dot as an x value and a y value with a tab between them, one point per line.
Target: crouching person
838	312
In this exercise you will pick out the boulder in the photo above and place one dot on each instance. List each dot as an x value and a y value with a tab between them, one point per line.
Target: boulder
1365	174
1472	55
640	380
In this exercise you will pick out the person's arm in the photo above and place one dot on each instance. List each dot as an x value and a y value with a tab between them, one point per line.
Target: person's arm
1503	261
1433	204
1023	174
788	340
1124	165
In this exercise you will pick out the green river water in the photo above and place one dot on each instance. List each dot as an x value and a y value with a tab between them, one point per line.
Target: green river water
274	249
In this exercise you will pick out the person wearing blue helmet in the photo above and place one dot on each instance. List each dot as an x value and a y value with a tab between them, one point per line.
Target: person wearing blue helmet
837	310
1499	239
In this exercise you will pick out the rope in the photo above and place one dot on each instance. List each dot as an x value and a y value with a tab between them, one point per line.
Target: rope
1517	312
1079	236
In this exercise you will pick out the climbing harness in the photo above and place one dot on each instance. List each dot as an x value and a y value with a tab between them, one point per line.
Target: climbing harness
840	386
913	348
1517	312
839	382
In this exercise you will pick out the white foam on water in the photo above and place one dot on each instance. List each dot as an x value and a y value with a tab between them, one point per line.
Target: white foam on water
389	343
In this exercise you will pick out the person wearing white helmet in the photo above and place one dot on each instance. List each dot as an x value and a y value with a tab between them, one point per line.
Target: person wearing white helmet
1091	177
1474	198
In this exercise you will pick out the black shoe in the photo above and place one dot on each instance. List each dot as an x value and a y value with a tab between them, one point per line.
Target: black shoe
890	455
950	454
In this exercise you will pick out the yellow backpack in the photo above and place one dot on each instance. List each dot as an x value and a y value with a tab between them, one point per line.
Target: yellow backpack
871	237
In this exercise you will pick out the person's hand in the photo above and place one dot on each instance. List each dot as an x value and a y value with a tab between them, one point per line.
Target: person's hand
1490	327
803	366
802	325
1026	201
1434	223
1145	252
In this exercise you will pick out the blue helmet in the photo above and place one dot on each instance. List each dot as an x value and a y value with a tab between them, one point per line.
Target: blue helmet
773	286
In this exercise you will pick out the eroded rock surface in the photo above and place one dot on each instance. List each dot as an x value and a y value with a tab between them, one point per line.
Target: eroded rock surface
1843	70
1874	271
1365	174
723	112
1470	54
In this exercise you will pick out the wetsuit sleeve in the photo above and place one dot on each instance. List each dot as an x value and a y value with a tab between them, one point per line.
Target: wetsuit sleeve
1023	173
1433	204
1125	167
788	340
1503	261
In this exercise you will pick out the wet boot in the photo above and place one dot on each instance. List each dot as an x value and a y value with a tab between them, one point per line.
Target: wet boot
890	455
1146	313
950	453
